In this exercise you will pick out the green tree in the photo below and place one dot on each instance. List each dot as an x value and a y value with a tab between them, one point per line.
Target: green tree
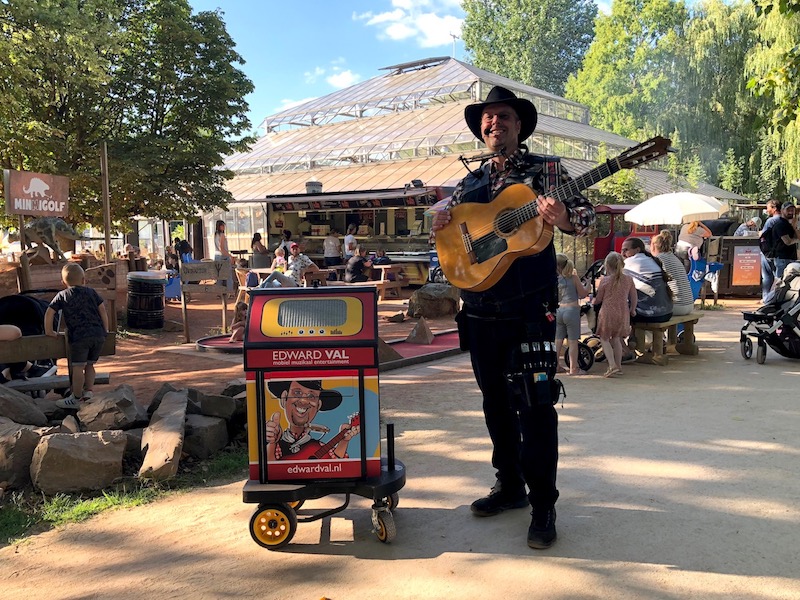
713	108
536	42
731	172
774	66
628	74
155	81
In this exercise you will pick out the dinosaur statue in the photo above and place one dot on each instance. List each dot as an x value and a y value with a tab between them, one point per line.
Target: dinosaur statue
46	231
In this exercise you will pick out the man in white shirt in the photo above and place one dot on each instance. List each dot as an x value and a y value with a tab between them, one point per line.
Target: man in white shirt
298	265
350	242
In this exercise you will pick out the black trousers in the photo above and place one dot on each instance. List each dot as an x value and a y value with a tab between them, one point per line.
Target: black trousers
524	438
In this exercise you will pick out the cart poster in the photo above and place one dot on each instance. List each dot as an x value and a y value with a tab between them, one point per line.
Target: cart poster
313	426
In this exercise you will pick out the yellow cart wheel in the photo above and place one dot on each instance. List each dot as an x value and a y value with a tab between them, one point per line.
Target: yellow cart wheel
296	504
272	526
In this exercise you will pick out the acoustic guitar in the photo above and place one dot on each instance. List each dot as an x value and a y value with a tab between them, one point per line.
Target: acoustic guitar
317	450
482	240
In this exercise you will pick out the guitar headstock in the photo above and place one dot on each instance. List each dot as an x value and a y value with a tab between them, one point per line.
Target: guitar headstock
645	152
355	420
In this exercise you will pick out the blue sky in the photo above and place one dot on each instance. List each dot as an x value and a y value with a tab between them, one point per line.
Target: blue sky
302	49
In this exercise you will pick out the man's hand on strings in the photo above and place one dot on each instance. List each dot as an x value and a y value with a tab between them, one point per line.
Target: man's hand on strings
554	212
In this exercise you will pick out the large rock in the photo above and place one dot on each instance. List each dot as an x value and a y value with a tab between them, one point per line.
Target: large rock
204	435
133	444
117	409
76	462
17	443
213	405
235	387
20	408
156	400
162	441
421	334
433	300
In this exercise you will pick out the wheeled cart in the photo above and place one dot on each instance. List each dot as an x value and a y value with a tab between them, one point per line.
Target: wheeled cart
311	363
274	522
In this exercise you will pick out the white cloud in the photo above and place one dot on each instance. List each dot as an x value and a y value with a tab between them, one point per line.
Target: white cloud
399	31
312	76
343	79
435	30
386	17
428	22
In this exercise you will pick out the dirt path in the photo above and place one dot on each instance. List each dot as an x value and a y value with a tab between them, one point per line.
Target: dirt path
676	482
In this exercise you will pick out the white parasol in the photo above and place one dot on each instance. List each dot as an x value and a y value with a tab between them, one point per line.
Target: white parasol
676	208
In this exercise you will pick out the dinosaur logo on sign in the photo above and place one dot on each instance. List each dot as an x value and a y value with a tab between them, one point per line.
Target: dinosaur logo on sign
36	188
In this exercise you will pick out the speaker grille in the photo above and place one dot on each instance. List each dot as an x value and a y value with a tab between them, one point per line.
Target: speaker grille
324	312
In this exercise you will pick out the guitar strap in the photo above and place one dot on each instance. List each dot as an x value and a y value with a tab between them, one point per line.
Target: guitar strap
552	171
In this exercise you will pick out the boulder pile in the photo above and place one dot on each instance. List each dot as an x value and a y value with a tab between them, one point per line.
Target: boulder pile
113	435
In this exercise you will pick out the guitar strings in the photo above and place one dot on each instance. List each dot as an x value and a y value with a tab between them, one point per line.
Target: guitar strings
561	193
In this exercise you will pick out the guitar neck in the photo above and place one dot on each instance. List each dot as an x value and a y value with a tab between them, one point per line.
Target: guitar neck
323	450
585	181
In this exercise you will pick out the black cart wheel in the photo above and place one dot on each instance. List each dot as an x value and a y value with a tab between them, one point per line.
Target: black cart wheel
761	353
585	356
747	348
273	526
384	526
392	501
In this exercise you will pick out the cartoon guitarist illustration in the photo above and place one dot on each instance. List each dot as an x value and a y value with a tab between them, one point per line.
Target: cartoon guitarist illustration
301	401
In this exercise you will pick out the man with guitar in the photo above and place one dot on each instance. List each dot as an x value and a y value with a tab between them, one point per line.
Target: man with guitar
508	321
301	401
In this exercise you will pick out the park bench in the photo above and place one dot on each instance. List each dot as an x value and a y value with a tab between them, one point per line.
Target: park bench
687	345
384	284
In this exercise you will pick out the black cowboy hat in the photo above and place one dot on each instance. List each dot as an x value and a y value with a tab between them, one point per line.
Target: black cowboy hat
524	109
329	399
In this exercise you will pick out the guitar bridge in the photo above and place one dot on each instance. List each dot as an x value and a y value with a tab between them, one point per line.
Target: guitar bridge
466	239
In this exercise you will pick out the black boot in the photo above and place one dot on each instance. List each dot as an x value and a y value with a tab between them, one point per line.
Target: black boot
542	532
499	500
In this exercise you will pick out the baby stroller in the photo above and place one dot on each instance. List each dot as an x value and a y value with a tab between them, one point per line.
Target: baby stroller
27	313
775	323
589	349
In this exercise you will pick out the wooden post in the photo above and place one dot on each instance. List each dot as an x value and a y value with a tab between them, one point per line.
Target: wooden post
225	310
185	314
106	198
24	273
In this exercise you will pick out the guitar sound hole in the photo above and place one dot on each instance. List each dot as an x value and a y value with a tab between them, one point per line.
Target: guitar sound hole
506	223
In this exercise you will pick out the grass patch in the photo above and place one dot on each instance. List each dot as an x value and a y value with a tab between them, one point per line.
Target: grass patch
712	307
22	514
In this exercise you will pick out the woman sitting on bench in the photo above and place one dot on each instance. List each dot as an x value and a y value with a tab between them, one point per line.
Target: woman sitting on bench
356	271
654	297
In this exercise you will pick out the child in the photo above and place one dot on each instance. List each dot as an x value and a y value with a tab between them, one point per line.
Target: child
568	316
85	314
239	322
251	278
617	294
279	264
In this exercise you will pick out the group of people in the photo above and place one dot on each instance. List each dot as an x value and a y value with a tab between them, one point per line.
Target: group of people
778	241
639	285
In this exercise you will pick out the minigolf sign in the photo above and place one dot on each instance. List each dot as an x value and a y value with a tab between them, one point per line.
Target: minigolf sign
36	194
